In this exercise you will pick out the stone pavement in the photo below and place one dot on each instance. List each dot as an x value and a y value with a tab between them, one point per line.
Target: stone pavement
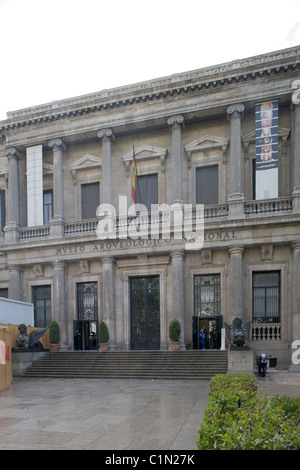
97	414
69	414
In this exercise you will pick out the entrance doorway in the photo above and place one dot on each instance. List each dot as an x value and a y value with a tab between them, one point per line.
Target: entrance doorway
145	312
213	327
85	327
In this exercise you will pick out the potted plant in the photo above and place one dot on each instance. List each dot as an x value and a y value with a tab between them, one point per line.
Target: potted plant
54	336
174	334
103	336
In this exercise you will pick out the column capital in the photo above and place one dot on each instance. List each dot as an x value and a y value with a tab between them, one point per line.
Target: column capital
177	254
59	264
296	93
12	152
235	110
57	144
295	245
106	135
108	259
176	122
234	250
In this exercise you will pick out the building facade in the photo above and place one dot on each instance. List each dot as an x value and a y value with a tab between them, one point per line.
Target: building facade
225	139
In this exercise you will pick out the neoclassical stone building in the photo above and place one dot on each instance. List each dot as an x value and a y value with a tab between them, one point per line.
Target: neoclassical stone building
226	136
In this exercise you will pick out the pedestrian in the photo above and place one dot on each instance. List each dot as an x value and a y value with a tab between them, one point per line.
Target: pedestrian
202	339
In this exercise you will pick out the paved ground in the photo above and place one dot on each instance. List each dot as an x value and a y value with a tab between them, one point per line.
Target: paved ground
54	414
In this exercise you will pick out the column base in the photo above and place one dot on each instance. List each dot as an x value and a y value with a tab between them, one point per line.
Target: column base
57	227
236	206
12	232
296	200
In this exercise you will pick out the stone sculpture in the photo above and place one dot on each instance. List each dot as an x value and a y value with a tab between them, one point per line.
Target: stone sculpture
238	334
29	342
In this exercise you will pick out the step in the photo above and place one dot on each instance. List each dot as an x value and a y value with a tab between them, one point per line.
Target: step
131	364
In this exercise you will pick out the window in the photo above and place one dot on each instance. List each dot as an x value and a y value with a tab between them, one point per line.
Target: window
207	185
207	295
42	306
48	205
266	297
147	190
90	200
2	209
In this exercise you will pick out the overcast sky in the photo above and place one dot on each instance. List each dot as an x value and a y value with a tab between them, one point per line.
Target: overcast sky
57	49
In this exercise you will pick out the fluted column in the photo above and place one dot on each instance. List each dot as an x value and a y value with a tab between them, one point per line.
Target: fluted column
236	297
57	229
235	194
107	137
59	301
13	200
178	289
108	296
176	124
15	285
296	151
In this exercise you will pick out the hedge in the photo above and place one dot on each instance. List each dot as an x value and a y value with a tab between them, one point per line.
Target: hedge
237	417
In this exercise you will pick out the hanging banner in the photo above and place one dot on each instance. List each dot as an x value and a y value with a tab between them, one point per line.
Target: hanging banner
34	169
266	132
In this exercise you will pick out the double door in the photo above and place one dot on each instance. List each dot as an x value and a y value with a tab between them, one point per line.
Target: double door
145	312
212	327
85	327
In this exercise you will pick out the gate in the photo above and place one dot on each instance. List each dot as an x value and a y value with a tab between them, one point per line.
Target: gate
145	312
85	327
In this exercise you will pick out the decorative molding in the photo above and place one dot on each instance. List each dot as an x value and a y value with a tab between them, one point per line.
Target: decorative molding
146	152
206	142
248	67
84	163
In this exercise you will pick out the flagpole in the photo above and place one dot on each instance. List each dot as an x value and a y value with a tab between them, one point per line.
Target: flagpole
137	178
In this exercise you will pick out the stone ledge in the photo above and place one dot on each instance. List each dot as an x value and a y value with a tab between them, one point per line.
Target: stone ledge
22	360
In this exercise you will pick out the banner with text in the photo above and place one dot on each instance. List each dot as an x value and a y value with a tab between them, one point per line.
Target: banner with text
266	132
34	167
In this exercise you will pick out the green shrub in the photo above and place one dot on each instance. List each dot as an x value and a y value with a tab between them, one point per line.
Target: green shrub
174	330
238	418
54	332
103	334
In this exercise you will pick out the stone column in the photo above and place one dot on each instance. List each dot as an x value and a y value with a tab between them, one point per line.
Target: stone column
236	297
296	154
59	302
108	296
13	200
296	291
15	285
178	288
235	195
107	137
57	221
176	124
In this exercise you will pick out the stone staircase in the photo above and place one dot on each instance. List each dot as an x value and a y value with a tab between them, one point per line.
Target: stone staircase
131	364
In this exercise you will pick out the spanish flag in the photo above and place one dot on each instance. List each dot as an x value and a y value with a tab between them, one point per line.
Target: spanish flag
133	178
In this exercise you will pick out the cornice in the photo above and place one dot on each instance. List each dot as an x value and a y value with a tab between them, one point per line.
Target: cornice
230	72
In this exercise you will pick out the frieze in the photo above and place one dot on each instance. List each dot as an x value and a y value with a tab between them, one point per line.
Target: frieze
109	245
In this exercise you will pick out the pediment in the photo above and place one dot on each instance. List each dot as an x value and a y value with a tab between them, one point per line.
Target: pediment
144	152
87	161
206	142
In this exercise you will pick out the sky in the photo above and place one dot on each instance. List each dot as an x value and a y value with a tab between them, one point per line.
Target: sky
58	49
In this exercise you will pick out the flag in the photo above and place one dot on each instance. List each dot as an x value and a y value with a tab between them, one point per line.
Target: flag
133	179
